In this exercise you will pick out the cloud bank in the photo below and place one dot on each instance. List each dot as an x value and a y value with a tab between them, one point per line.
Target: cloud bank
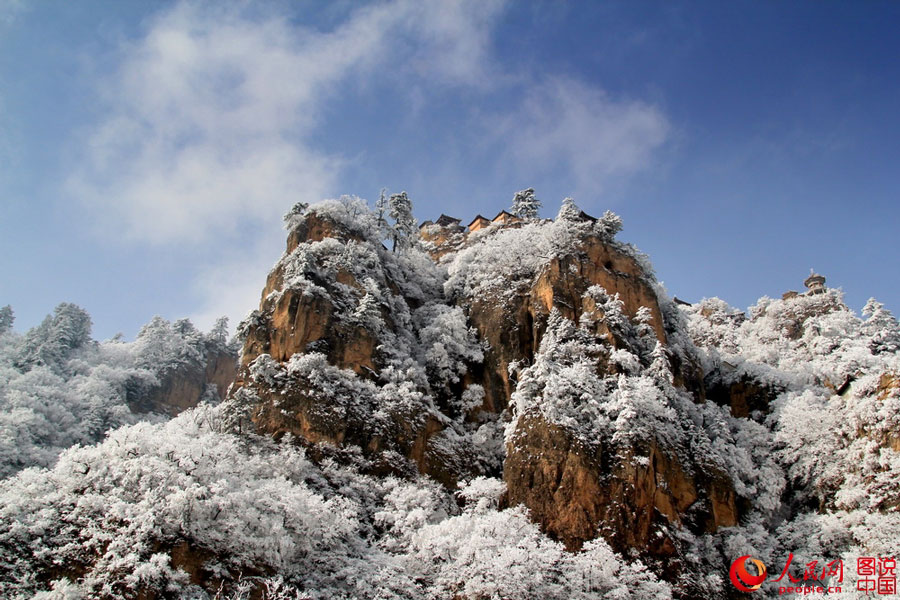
563	122
211	118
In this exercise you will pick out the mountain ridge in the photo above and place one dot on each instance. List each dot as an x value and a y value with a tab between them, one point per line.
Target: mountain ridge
529	378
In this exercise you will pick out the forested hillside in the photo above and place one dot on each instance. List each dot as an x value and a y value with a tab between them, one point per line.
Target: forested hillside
514	410
59	387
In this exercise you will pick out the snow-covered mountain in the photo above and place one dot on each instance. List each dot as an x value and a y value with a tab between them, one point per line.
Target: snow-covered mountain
516	409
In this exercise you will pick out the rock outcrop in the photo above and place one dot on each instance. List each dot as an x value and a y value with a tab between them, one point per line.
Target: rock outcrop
184	386
342	296
744	395
513	326
635	497
295	318
517	410
332	275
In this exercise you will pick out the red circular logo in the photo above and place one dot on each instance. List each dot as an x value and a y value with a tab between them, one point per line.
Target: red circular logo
742	579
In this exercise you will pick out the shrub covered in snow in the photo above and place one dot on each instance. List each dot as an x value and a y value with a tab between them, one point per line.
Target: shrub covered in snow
106	519
58	387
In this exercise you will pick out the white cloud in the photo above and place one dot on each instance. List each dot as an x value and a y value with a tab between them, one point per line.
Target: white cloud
211	114
566	123
452	41
233	286
206	126
211	111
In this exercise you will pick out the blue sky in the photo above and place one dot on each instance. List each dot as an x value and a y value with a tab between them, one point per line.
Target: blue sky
148	150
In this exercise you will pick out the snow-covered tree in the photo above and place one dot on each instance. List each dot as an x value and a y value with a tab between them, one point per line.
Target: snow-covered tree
882	326
6	318
568	211
219	333
165	345
609	224
659	368
309	530
381	211
405	229
564	382
53	341
293	216
368	312
448	343
58	387
525	205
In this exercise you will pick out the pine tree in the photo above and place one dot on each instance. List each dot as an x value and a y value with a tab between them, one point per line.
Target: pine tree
368	312
6	318
569	211
646	335
381	208
660	369
405	227
219	333
609	224
882	326
525	205
293	216
53	341
162	345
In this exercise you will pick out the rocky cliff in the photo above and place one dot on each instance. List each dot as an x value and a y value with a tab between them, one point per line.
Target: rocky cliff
183	386
519	411
179	367
339	351
341	317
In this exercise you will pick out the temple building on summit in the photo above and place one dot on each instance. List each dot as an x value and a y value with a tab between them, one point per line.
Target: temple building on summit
477	223
815	284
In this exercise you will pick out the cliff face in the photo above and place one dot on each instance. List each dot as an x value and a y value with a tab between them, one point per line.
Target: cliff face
356	311
636	496
513	326
341	317
183	387
575	489
517	412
